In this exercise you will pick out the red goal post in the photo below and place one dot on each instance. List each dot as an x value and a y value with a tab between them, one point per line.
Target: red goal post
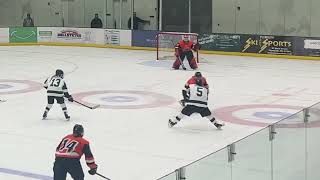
166	41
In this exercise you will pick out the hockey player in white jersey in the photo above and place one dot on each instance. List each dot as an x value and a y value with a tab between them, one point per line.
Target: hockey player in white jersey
197	102
57	90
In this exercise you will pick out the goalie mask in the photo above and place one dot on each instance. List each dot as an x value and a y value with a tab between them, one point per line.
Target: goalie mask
185	38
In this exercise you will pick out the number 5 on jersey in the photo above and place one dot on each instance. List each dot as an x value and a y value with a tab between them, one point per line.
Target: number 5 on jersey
199	91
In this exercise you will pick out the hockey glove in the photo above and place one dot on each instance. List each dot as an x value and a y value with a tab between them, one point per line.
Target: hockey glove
70	99
93	171
196	47
177	51
177	54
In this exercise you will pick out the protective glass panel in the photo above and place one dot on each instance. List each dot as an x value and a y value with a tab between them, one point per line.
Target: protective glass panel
126	13
289	153
95	11
175	15
271	18
224	14
215	166
313	143
146	15
201	16
73	13
253	157
171	176
297	17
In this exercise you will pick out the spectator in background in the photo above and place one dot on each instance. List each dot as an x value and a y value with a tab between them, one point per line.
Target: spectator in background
136	21
96	22
28	21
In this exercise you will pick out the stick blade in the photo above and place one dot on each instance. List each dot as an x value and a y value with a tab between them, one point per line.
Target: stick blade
95	107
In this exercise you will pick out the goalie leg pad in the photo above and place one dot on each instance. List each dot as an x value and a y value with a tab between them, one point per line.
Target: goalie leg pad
191	60
193	63
176	64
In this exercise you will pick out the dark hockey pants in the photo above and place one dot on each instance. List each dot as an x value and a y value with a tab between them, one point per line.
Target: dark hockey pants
62	166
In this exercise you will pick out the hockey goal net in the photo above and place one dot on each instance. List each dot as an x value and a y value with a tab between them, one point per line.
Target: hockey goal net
166	41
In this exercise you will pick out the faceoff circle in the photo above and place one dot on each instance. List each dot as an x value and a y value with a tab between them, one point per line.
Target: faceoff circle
8	86
121	99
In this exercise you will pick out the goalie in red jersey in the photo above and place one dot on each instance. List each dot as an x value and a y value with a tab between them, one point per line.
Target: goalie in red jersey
184	49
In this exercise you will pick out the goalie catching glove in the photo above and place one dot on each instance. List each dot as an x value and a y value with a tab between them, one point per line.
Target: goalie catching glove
196	47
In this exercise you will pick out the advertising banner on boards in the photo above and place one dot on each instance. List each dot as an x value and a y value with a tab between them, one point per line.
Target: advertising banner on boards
117	37
144	38
23	35
261	44
307	46
220	42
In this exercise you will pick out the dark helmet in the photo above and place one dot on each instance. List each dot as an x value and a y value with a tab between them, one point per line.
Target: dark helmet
59	73
198	74
78	130
199	82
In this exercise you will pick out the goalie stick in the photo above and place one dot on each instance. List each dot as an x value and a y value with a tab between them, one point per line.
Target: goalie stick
90	107
181	62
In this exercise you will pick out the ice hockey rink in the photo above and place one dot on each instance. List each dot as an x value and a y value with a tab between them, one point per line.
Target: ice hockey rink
128	134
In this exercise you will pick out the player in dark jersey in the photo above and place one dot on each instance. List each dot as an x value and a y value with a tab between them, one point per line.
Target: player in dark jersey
68	155
184	50
193	80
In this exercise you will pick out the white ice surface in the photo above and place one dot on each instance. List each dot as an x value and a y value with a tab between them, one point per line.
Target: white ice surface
136	144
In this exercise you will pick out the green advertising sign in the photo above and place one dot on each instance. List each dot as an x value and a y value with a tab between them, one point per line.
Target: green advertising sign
220	42
23	34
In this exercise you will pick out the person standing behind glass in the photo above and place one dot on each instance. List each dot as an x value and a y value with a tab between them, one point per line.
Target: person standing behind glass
136	21
28	21
96	22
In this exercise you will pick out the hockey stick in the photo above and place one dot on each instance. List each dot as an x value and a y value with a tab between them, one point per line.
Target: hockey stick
3	100
181	62
90	107
103	176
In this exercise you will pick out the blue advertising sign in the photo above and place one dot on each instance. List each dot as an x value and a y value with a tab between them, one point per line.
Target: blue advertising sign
144	38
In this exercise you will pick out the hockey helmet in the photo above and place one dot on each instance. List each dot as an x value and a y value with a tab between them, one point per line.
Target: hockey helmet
198	74
185	38
78	130
59	73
